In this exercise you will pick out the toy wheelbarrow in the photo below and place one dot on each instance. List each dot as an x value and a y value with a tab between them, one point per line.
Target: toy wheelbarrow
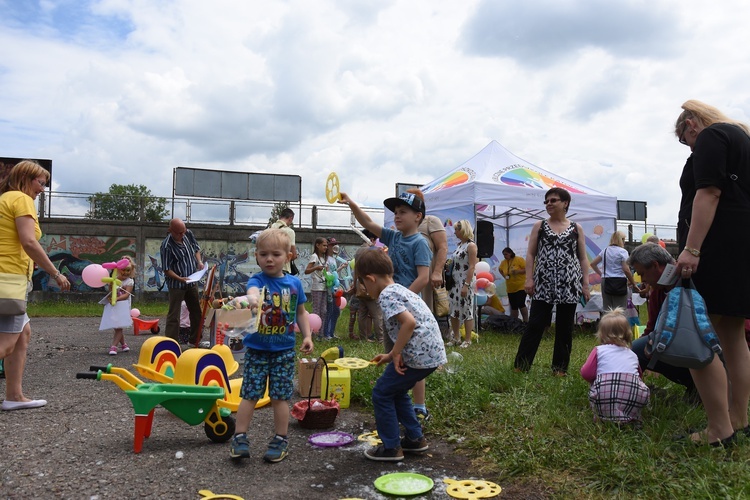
192	404
145	324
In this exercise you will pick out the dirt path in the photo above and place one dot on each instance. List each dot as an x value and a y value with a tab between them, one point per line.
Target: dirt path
80	444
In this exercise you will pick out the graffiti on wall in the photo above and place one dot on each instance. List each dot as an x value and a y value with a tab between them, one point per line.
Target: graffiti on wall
235	263
71	254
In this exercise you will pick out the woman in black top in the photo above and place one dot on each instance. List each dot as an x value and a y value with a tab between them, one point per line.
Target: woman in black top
714	234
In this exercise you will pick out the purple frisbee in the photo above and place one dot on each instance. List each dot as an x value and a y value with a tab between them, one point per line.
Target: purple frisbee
330	439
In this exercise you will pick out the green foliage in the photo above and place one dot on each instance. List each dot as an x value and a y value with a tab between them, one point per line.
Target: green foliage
276	211
127	202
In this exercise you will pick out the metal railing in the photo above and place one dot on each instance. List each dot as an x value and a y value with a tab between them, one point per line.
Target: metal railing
635	230
61	204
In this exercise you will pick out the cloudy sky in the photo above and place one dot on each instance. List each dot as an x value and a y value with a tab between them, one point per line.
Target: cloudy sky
380	91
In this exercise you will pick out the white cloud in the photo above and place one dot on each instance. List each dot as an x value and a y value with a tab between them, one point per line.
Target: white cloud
381	92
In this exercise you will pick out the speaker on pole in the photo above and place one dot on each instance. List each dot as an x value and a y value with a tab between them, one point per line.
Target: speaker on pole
485	239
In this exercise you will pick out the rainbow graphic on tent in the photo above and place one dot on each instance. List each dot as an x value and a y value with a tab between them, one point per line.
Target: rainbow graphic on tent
525	177
451	180
592	250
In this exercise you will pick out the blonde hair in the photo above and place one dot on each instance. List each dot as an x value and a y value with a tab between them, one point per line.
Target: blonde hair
22	175
465	232
131	273
618	238
705	114
614	328
274	238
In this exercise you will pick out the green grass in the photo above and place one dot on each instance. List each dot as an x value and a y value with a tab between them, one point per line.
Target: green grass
537	430
88	309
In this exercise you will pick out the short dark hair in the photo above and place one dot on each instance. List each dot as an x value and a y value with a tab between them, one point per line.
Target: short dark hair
562	193
286	213
373	261
510	251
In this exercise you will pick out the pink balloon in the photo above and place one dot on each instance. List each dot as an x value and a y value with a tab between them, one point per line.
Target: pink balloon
92	275
342	305
488	276
482	283
135	312
315	322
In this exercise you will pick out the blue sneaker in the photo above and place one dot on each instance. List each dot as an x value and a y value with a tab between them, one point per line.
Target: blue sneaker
277	450
240	447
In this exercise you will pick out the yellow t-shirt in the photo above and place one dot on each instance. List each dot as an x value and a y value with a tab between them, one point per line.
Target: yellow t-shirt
13	259
516	281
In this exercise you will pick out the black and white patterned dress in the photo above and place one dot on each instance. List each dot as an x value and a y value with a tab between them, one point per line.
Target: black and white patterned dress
461	307
557	270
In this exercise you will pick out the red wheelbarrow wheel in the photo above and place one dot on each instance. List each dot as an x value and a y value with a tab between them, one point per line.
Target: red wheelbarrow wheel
155	329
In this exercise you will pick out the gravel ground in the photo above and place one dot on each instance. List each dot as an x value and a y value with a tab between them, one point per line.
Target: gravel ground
80	445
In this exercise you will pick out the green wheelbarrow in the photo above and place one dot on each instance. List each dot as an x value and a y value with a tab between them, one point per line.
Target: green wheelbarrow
192	404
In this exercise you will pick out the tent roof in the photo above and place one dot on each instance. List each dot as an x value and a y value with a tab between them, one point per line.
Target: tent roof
502	185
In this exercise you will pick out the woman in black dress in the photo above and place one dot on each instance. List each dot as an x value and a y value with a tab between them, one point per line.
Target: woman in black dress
714	234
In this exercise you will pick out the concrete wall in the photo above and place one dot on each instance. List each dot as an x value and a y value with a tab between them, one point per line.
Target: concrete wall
73	244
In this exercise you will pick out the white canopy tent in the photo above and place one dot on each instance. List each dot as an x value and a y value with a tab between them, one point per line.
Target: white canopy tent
497	186
510	191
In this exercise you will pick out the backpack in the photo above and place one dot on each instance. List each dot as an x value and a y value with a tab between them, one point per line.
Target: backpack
683	335
504	324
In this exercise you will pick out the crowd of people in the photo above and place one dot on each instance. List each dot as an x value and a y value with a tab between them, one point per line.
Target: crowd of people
392	295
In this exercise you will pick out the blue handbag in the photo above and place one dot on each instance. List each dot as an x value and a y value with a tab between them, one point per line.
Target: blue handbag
683	335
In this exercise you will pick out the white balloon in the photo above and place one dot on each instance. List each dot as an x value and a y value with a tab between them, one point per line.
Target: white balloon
481	267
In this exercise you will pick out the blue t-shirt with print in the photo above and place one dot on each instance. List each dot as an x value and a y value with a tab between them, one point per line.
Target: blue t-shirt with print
278	312
406	252
425	348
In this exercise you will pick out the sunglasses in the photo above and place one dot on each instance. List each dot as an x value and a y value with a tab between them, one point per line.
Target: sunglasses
682	135
551	200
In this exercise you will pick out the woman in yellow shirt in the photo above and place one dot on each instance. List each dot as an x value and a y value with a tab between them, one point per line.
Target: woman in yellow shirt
513	270
19	232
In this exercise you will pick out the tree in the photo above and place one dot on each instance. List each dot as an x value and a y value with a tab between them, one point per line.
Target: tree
129	202
276	211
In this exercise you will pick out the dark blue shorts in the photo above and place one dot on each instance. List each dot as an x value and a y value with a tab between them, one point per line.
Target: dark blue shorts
275	367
